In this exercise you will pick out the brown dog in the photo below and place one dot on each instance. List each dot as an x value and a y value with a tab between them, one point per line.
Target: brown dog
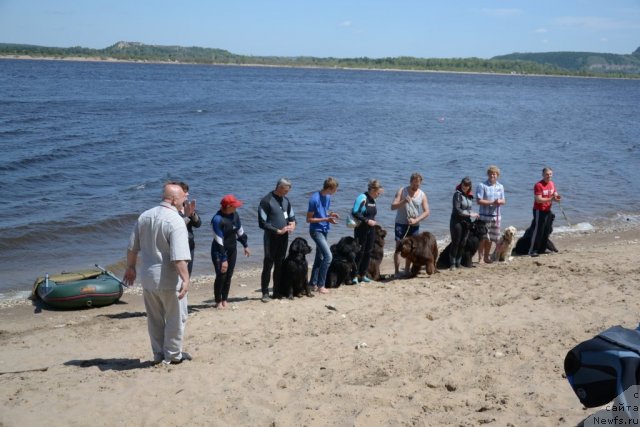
421	250
505	245
377	253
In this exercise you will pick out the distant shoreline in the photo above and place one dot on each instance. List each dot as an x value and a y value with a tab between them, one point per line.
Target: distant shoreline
145	61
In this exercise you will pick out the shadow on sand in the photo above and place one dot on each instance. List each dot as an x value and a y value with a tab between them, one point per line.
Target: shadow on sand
111	364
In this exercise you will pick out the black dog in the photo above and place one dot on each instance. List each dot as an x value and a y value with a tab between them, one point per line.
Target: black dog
524	243
377	253
343	266
476	230
294	277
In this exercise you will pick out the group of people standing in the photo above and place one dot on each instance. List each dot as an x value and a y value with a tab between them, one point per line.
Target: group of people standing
163	238
490	197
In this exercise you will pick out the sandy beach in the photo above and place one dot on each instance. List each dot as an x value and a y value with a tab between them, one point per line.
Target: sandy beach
474	346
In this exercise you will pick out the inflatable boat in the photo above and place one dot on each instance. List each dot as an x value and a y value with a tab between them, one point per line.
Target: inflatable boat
93	288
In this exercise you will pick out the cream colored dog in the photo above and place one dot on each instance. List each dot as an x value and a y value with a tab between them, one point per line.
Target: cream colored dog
505	245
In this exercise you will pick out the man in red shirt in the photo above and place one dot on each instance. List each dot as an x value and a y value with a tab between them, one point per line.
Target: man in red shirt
544	195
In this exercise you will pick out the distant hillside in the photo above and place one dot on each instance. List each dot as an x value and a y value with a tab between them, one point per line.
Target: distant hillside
134	50
582	61
554	63
125	51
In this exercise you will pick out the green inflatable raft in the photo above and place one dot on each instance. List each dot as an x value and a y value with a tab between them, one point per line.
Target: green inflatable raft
78	290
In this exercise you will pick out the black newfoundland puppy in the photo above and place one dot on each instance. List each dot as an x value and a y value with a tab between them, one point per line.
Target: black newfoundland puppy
476	231
343	266
421	250
294	277
377	253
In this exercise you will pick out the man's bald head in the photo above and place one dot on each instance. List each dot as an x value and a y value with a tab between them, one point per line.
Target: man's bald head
174	194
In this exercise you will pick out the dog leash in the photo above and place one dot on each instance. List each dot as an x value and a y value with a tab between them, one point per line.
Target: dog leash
564	214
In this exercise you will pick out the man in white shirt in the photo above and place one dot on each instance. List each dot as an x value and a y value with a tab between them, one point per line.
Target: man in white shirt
160	238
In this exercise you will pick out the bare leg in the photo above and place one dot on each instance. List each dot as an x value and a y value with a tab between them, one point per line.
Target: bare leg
487	251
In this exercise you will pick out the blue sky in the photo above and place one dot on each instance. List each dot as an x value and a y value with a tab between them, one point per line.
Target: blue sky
338	28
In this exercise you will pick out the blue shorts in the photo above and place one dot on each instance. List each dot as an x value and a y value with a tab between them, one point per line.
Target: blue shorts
404	230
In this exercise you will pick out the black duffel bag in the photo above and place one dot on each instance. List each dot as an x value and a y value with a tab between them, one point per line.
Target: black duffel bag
604	367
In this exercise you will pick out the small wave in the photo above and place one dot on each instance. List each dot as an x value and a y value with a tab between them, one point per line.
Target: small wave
627	218
11	298
38	159
15	132
575	228
618	221
51	231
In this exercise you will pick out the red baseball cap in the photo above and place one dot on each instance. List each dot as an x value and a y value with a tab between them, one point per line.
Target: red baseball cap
230	200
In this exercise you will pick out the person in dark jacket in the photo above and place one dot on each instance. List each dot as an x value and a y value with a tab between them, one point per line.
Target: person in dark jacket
462	204
227	229
191	219
277	219
364	210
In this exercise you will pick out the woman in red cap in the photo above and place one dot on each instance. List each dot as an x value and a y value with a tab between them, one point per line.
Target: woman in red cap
226	230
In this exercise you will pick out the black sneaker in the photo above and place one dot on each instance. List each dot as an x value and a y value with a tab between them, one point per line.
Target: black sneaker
265	298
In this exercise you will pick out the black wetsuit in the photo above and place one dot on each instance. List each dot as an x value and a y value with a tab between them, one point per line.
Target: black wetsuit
192	222
226	230
461	211
274	213
363	210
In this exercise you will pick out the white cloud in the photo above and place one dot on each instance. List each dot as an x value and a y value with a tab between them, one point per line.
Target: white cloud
540	30
502	12
593	23
345	24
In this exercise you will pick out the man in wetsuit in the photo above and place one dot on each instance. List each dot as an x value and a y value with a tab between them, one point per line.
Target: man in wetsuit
277	219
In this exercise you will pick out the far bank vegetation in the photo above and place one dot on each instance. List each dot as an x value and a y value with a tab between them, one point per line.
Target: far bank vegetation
551	63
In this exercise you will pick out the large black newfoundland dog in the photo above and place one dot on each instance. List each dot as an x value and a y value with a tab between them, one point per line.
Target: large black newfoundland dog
421	250
524	242
294	277
476	230
343	266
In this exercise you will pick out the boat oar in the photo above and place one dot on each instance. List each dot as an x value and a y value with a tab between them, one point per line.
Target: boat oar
113	276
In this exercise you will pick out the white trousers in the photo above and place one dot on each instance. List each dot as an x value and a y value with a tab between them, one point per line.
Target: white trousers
166	319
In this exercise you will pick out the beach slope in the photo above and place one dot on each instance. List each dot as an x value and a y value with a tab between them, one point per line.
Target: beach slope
474	346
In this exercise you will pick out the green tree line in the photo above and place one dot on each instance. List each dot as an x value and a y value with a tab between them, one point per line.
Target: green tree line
555	63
